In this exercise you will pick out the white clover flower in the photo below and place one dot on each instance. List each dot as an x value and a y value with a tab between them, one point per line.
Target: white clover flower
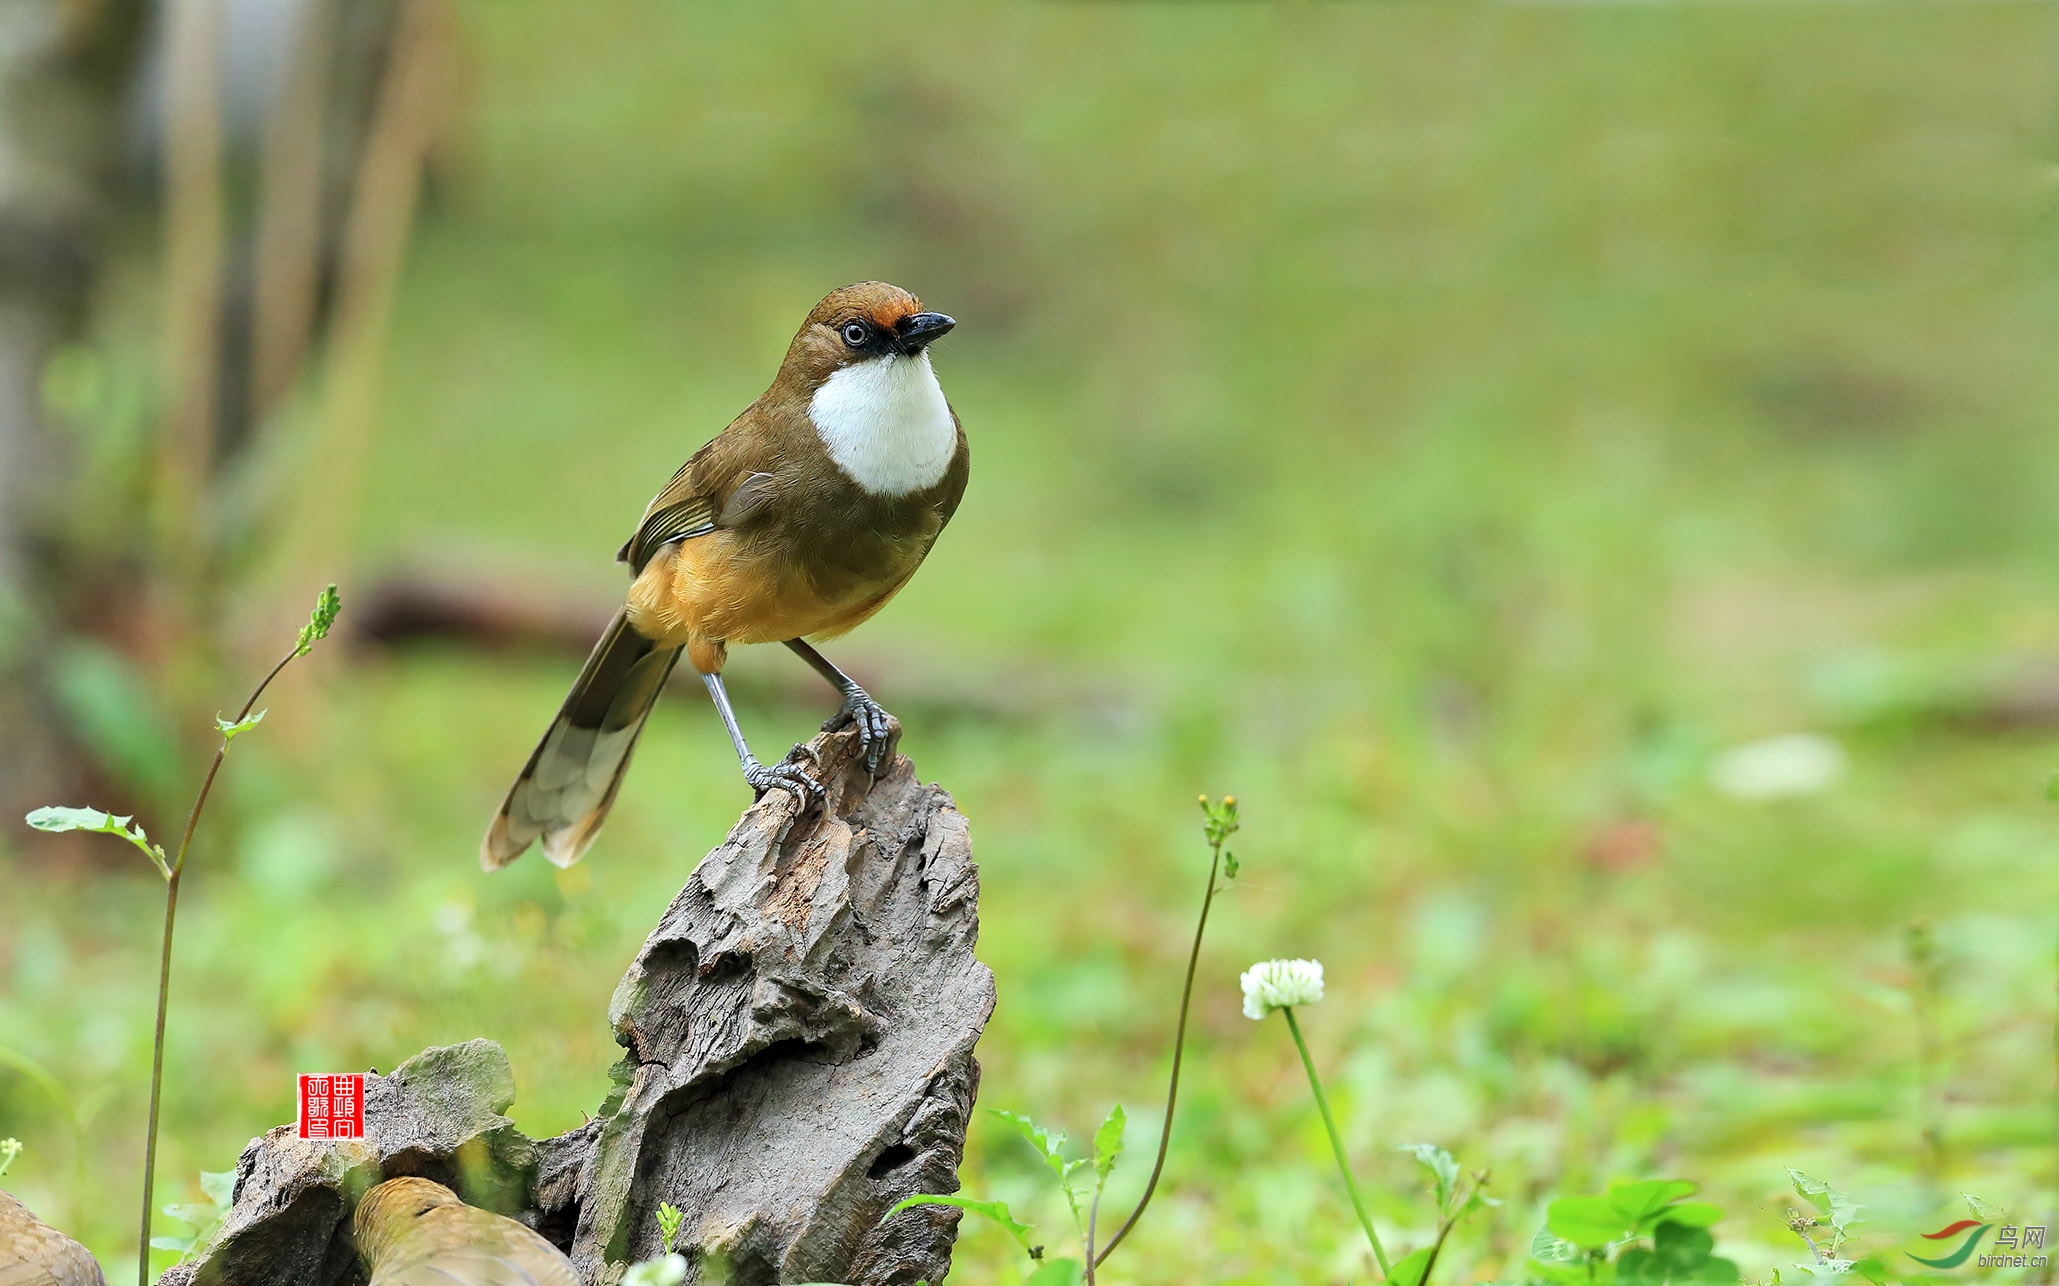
1276	984
666	1270
1786	767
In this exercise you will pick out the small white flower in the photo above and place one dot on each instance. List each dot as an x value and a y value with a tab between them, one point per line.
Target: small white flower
1276	984
667	1270
1779	767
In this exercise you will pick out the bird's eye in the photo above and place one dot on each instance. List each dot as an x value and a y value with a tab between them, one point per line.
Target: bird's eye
855	333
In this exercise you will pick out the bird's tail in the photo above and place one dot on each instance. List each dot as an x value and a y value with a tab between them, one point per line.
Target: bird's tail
563	796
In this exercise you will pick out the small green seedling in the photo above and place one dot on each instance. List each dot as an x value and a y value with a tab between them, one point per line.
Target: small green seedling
1457	1195
669	1219
202	1218
171	868
1582	1233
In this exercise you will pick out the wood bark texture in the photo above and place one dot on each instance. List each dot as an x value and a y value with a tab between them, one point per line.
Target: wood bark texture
798	1033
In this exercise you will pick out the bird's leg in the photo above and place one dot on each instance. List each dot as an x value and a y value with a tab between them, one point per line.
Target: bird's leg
786	774
858	708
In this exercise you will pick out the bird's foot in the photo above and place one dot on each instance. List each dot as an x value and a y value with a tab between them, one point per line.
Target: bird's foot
788	775
874	725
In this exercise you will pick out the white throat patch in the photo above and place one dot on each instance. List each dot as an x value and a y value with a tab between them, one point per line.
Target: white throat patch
886	424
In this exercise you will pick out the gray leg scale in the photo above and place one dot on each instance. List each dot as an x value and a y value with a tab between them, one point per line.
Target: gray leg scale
785	775
858	708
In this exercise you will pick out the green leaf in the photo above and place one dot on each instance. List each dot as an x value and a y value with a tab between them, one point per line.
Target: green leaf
1690	1214
1681	1247
1872	1270
1409	1269
994	1210
220	1187
1590	1223
1439	1163
1055	1272
1108	1143
1640	1266
231	731
1050	1144
58	820
1838	1208
1547	1247
1679	1255
327	605
1982	1210
1640	1202
180	1244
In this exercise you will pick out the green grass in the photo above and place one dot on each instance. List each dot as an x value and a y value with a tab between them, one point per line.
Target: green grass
1443	426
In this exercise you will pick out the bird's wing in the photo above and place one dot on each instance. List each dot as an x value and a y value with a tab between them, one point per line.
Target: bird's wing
664	523
725	483
479	1266
32	1253
58	1267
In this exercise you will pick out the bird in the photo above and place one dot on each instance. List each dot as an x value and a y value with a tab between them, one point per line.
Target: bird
32	1253
797	522
416	1232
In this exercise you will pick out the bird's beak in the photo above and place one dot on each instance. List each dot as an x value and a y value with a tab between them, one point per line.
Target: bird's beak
914	332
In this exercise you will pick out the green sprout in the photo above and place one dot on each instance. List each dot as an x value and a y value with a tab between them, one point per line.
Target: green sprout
327	605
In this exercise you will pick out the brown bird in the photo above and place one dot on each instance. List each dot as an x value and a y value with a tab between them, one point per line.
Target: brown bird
414	1232
32	1253
799	521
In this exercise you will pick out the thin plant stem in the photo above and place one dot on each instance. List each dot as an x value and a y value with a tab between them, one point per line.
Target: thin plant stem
1920	946
164	967
1179	1045
1444	1226
1337	1144
1093	1217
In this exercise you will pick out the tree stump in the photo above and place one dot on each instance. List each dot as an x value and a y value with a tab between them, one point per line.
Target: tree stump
798	1033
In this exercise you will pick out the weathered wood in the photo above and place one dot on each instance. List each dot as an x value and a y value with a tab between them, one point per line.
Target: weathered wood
799	1030
438	1115
798	1034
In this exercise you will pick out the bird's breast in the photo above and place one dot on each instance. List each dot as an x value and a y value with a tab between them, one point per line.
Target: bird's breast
885	424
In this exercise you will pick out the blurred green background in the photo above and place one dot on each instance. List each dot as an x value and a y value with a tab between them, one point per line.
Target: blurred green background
1451	428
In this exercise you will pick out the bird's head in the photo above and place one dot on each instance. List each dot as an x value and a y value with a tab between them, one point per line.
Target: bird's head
871	321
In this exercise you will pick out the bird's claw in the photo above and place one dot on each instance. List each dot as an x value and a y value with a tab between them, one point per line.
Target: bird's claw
785	775
874	725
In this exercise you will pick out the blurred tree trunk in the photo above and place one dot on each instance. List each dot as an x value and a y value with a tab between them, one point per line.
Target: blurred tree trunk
284	140
64	72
